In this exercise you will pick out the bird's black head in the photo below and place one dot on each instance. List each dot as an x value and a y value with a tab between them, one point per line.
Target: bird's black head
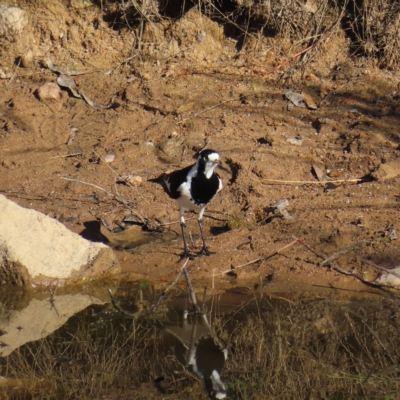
207	161
209	156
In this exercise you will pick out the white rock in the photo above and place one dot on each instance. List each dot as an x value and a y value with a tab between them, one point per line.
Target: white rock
37	249
390	280
13	20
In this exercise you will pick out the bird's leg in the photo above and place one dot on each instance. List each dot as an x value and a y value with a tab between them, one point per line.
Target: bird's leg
186	253
204	249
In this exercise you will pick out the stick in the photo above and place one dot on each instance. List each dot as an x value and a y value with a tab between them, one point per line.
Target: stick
331	264
207	109
163	294
87	183
337	254
204	299
372	264
278	181
118	308
336	268
270	254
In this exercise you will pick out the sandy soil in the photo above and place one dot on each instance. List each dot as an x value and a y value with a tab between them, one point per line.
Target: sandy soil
179	97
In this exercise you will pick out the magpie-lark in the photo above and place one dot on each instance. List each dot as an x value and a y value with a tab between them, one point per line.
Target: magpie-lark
193	188
197	347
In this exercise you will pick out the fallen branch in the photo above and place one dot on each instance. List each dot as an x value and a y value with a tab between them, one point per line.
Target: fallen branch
89	184
118	198
207	109
336	268
372	264
163	294
262	259
331	264
118	308
278	181
340	252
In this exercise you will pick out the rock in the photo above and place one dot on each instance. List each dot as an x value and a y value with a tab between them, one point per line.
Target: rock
49	90
13	20
297	141
319	171
386	279
135	180
387	171
296	98
309	100
27	59
170	150
40	318
36	249
109	158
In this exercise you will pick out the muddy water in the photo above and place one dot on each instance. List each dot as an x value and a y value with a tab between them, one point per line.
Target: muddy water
81	346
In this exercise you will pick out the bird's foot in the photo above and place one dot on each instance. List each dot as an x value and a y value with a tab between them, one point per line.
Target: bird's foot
187	254
205	252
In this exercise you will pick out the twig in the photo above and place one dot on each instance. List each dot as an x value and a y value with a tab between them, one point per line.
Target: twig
15	73
53	293
207	109
118	308
299	53
175	222
163	294
278	181
127	183
336	268
78	153
270	254
331	264
117	198
340	252
372	264
89	184
204	299
384	348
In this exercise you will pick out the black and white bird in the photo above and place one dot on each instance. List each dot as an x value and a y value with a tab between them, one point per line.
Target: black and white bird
193	188
196	346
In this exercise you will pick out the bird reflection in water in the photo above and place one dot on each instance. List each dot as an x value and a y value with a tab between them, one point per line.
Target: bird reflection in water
199	349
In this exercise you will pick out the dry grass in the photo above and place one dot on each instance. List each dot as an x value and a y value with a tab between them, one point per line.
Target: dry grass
375	25
319	349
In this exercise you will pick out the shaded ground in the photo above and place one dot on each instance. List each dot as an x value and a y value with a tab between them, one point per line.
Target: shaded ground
170	104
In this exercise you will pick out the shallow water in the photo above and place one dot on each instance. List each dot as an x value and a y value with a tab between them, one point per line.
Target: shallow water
277	346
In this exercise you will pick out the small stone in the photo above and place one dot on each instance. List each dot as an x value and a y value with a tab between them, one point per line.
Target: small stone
308	99
134	180
335	173
297	141
391	280
391	233
27	59
295	98
109	158
49	90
